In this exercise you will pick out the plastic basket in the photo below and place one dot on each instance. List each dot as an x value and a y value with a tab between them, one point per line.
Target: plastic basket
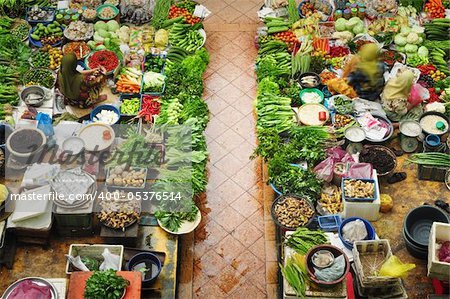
368	257
127	97
369	199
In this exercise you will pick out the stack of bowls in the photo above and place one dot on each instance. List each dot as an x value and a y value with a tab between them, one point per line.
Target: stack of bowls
417	226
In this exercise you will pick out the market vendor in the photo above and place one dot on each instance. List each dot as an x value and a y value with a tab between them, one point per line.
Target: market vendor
80	88
367	74
395	95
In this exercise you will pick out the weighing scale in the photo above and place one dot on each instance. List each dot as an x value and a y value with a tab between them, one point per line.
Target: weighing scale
410	130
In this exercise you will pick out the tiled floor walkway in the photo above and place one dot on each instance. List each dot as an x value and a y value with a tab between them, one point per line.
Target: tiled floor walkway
230	256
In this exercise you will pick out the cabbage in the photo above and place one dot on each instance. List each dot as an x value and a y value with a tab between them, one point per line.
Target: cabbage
98	38
103	33
399	40
100	25
400	49
358	29
91	44
405	31
412	38
409	48
417	29
340	24
420	40
113	26
353	22
422	51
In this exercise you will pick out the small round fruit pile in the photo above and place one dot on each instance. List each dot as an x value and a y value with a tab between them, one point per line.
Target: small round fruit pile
55	58
437	75
287	37
176	12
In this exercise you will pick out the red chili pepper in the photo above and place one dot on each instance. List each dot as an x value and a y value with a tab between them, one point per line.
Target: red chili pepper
150	107
105	58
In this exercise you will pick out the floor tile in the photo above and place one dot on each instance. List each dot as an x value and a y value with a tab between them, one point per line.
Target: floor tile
230	71
243	6
247	291
258	248
271	272
229	165
258	279
229	248
232	95
215	128
271	251
214	233
209	290
216	105
230	139
246	263
215	177
215	82
211	263
243	152
246	233
230	116
257	219
228	279
229	191
246	205
229	14
200	278
244	82
229	219
216	151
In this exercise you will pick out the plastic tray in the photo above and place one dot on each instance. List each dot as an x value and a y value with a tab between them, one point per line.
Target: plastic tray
32	22
38	44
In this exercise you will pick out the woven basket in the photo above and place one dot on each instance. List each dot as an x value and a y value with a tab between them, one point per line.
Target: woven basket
368	257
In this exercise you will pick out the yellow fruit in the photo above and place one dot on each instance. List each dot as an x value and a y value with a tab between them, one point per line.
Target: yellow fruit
386	203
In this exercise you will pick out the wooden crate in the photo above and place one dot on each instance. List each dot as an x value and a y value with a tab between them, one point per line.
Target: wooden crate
372	254
436	269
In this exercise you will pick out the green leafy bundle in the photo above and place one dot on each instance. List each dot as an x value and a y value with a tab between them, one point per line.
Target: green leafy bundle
105	285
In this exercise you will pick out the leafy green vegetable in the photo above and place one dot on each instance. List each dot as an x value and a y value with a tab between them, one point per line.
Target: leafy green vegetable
290	179
295	273
303	239
105	285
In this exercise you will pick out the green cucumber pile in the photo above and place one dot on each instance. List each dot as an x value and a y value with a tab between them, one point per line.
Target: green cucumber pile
43	77
47	34
275	25
186	36
40	59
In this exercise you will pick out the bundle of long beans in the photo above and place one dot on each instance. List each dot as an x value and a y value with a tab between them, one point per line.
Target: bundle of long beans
303	239
431	159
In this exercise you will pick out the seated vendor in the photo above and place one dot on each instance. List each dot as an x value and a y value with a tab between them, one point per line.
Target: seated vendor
80	88
367	76
395	95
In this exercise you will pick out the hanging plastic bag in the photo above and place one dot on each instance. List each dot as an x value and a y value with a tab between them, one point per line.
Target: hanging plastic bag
393	267
45	124
418	94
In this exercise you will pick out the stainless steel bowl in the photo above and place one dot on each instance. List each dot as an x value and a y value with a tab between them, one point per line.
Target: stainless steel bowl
33	89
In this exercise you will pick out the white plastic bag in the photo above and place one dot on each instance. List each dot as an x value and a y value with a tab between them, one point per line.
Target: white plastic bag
111	261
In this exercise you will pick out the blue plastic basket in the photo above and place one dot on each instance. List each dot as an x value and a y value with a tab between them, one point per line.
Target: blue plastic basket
97	110
353	199
38	44
329	223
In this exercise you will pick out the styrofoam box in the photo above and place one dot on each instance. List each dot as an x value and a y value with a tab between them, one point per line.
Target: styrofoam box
436	269
94	251
367	210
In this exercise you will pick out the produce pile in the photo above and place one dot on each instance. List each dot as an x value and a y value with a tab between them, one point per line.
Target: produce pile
154	59
311	60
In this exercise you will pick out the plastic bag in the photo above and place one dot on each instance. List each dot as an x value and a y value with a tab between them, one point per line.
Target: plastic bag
45	124
333	272
354	231
161	38
325	169
111	261
418	94
360	171
393	267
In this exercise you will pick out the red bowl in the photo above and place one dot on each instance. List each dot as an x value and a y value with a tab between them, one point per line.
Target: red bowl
310	267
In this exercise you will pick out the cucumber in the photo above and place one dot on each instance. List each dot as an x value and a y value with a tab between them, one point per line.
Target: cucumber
277	29
35	37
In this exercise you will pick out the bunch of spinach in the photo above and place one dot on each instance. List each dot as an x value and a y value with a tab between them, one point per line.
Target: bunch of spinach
289	179
105	285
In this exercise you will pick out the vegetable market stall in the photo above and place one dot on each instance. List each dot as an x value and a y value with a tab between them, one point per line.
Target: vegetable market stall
149	60
329	170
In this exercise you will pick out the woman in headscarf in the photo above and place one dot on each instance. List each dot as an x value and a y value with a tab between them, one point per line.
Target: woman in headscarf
81	89
367	77
395	95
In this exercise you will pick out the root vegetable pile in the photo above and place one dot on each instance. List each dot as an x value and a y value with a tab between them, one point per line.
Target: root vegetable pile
292	212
